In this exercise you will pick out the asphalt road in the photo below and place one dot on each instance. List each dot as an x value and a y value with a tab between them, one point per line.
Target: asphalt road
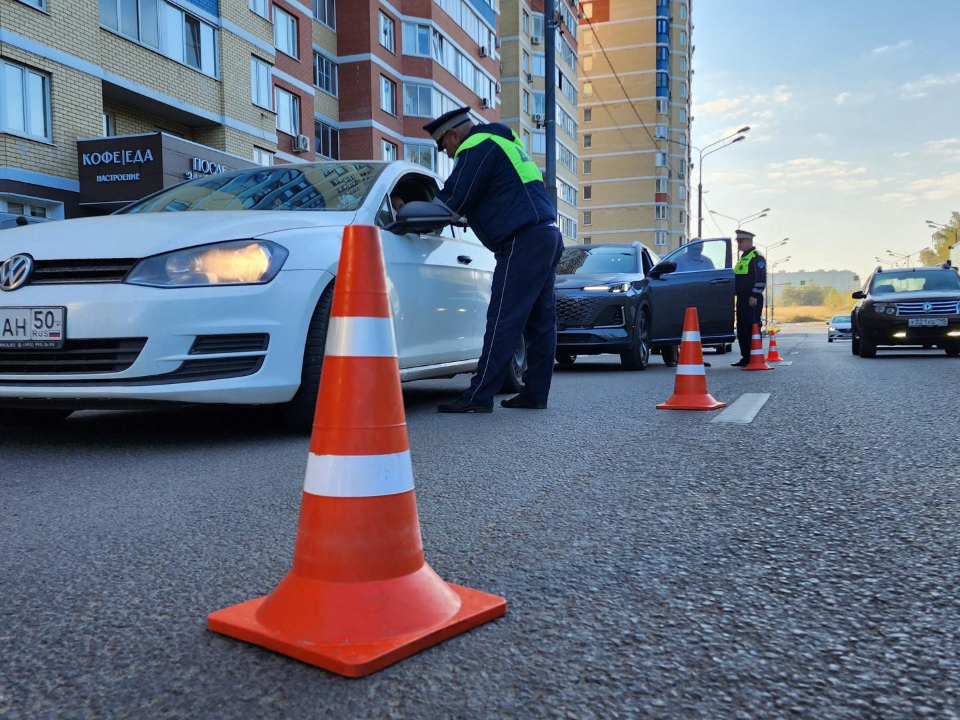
655	563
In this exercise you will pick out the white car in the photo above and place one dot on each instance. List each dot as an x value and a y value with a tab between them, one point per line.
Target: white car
839	328
218	290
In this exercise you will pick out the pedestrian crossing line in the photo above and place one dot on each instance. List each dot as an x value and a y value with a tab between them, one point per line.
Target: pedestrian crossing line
743	410
785	362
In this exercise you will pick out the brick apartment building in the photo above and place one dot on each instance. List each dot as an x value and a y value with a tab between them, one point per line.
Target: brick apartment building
101	104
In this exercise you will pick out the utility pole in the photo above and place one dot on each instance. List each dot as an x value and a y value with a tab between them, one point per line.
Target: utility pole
550	96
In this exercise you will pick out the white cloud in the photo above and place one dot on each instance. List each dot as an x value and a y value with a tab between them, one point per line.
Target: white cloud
808	171
919	88
850	185
724	105
947	149
938	188
729	177
738	106
898	197
903	44
842	98
902	154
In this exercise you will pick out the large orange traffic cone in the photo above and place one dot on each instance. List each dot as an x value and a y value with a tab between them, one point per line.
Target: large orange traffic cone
756	352
772	354
690	387
360	595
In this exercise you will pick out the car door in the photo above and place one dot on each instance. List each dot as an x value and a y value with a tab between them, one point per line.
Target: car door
436	296
706	285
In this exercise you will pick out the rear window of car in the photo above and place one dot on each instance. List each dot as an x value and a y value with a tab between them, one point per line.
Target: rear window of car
611	260
898	282
329	186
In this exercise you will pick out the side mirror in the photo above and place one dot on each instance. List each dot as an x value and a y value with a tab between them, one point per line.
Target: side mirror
858	295
827	322
420	217
662	268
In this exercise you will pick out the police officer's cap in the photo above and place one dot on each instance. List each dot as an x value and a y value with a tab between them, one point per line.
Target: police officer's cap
745	235
439	127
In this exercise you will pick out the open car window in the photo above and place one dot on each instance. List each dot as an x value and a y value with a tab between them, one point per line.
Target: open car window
409	188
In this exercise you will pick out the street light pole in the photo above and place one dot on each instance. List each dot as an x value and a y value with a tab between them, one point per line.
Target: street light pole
768	307
701	155
743	221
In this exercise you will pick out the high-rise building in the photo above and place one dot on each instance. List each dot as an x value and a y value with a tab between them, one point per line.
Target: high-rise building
102	103
523	61
635	122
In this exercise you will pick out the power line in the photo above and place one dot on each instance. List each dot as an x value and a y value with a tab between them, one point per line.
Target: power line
713	219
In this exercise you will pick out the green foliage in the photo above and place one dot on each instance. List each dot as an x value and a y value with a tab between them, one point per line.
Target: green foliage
941	241
806	295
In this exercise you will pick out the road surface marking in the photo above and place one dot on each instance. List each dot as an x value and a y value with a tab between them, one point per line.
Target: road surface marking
743	410
785	362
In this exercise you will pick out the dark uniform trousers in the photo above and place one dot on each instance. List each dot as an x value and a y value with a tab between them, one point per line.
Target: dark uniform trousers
522	302
746	317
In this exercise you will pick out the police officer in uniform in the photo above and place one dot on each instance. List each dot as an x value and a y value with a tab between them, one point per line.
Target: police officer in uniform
499	190
750	280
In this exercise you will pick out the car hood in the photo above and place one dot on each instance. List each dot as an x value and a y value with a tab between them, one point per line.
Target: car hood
582	280
917	296
145	234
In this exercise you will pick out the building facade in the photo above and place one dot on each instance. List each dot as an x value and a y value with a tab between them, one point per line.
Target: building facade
100	102
634	174
523	63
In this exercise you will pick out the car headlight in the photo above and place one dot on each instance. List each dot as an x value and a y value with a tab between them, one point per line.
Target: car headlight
238	262
614	288
880	308
832	328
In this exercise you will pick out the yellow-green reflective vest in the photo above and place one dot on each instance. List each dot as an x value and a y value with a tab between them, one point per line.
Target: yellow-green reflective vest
743	266
525	167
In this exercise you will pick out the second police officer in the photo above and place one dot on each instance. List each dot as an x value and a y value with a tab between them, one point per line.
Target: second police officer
750	280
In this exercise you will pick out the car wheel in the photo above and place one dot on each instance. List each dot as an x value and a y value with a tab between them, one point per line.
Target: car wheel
513	381
299	412
638	356
868	348
32	417
564	358
854	344
670	355
721	349
829	339
952	350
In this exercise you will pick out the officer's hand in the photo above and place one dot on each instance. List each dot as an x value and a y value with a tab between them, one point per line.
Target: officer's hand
753	302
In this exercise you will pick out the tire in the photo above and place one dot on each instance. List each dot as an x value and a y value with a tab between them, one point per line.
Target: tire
829	339
564	358
31	417
952	350
854	344
670	355
513	380
721	349
298	413
868	348
638	356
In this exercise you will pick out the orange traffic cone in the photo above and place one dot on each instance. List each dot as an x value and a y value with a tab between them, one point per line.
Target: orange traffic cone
756	352
772	354
690	387
360	595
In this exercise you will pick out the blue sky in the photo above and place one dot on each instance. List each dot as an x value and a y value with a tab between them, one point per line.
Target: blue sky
854	107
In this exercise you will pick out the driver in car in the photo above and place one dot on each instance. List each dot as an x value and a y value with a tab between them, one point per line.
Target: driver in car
692	259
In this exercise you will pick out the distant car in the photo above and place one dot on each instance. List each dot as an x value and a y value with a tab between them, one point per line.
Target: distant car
904	307
623	299
218	290
13	220
839	328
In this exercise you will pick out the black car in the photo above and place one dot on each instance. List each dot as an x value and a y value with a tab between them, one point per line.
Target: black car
911	306
622	298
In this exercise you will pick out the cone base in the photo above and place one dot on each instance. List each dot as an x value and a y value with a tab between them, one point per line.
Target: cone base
357	659
774	358
758	366
691	402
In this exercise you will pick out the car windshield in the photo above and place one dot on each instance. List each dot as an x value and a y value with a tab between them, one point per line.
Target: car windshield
898	282
840	319
598	259
327	186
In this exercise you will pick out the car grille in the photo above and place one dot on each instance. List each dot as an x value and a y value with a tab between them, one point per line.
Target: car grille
908	309
68	272
588	312
248	342
76	356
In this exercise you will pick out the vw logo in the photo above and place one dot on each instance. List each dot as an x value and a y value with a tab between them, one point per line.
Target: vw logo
15	271
927	307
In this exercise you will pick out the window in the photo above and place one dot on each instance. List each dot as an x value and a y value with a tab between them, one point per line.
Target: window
419	154
682	140
30	207
682	239
526	102
416	39
566	157
388	95
663	80
285	32
262	157
660	237
588	37
39	4
568	193
661	211
325	74
526	141
540	142
587	13
683	89
25	101
661	159
588	63
682	192
389	150
587	240
288	112
587	167
137	19
660	131
588	140
417	100
539	103
588	89
525	22
538	25
683	37
588	192
682	217
387	29
663	106
588	115
526	61
260	83
326	12
568	226
661	185
539	65
109	124
683	12
683	64
588	217
683	115
327	140
683	168
261	8
663	27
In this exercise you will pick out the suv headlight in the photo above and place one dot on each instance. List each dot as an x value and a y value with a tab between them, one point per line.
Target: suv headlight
238	262
880	308
610	287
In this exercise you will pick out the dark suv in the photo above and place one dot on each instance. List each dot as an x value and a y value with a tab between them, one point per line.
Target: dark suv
622	298
913	306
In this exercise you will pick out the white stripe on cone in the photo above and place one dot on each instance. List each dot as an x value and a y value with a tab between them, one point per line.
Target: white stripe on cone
691	370
358	475
361	337
756	352
690	336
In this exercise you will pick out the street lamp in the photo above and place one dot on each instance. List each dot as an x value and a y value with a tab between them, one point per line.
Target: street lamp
743	221
766	254
702	154
905	258
939	227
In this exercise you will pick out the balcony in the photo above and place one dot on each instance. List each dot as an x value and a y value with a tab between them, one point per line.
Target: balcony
663	10
663	38
663	92
662	198
663	65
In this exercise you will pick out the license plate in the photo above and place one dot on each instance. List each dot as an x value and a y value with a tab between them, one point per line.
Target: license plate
927	322
28	328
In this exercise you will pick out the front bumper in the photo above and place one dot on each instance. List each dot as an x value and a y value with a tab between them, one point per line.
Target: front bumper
896	330
594	323
840	334
160	358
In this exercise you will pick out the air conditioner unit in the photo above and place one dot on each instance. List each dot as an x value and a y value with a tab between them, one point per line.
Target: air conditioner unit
484	103
529	77
498	88
535	40
483	51
301	143
538	119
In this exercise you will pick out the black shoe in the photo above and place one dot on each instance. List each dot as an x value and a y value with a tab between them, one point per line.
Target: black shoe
740	363
462	405
706	364
521	402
